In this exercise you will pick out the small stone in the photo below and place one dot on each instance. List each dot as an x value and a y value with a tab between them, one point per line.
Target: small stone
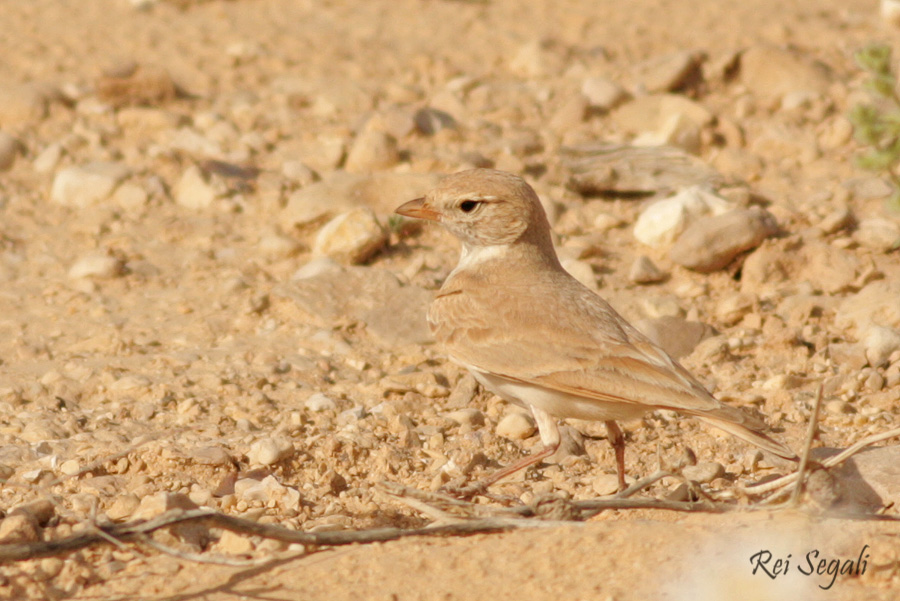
372	151
70	467
211	455
603	94
88	184
19	527
733	307
652	112
233	543
267	491
837	407
123	507
879	343
874	382
318	402
430	121
711	243
96	265
703	472
270	451
353	237
669	72
644	271
581	271
771	72
662	222
467	417
47	159
836	221
878	234
516	425
298	173
193	191
276	246
9	148
158	503
130	197
606	484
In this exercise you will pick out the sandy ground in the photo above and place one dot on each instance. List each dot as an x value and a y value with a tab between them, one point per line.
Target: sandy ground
158	344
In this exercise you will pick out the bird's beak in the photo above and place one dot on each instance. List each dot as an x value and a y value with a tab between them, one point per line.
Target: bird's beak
416	208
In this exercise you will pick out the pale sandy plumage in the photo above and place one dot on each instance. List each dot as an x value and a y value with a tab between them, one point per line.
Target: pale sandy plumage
532	334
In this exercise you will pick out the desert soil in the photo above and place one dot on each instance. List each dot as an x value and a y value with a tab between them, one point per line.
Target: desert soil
183	323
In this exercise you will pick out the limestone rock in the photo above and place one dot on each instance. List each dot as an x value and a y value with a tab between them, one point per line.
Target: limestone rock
603	94
772	72
372	150
669	72
878	234
352	237
193	191
86	185
662	222
644	271
516	425
711	243
676	336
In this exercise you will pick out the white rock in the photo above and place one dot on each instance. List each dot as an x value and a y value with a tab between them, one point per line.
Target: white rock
879	343
319	402
516	425
269	451
581	271
372	151
603	94
157	503
644	271
193	191
47	160
466	417
878	234
9	148
130	197
70	467
354	236
661	223
267	491
88	184
96	265
606	484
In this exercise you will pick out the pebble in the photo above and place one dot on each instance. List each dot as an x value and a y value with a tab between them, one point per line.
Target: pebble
269	451
603	94
879	344
711	243
47	159
669	72
96	265
352	237
516	425
86	185
130	197
9	148
652	112
878	234
193	191
875	304
837	220
661	222
581	271
703	472
298	173
318	403
733	307
606	484
233	543
467	417
644	271
372	151
276	246
19	527
430	121
267	491
772	72
679	130
160	502
123	507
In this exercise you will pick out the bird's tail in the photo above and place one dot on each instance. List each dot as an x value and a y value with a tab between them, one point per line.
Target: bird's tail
755	437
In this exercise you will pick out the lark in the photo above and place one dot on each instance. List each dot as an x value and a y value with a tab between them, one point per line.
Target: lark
534	335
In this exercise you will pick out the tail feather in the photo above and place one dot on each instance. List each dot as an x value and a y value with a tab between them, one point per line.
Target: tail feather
759	439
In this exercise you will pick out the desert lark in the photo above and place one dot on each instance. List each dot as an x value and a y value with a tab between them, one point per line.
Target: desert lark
532	334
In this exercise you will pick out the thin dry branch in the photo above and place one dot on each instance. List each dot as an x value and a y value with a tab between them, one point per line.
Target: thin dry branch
133	530
810	435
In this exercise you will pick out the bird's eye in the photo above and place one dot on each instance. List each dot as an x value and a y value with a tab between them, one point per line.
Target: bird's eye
467	206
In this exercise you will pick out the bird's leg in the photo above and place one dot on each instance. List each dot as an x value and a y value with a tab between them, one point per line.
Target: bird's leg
617	440
549	431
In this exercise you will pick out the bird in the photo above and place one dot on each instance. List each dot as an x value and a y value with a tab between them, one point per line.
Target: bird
535	336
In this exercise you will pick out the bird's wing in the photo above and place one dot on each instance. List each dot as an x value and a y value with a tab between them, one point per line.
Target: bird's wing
571	341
